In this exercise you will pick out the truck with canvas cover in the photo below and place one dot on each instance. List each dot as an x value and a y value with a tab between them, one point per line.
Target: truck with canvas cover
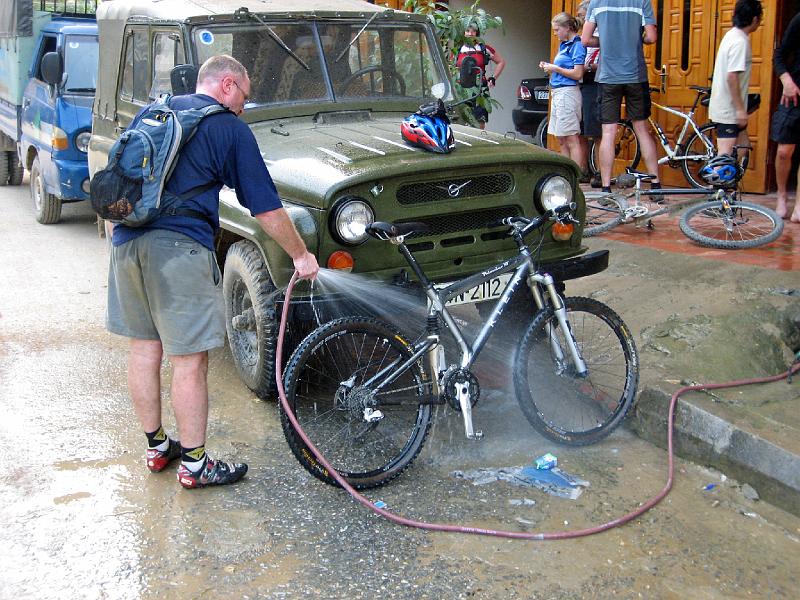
48	69
331	83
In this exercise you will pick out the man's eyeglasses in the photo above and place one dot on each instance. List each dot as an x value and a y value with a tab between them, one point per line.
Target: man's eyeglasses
245	96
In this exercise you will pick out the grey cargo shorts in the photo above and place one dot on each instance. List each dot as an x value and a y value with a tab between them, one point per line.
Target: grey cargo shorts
165	286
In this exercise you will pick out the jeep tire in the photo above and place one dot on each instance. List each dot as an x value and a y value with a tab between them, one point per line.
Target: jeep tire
250	317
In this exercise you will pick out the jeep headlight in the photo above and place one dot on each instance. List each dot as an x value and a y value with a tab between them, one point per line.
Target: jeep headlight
82	141
553	191
350	219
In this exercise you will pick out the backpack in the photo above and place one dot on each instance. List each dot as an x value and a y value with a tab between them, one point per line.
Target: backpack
479	53
130	189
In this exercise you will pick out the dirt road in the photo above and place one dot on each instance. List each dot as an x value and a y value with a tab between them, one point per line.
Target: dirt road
84	519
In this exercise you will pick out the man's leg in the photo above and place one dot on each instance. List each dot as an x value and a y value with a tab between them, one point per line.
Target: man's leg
607	152
783	166
648	147
144	382
190	402
189	394
725	145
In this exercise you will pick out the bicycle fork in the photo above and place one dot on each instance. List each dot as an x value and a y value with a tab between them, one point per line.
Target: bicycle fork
560	310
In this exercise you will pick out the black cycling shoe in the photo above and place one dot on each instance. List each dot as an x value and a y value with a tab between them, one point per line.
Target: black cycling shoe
214	472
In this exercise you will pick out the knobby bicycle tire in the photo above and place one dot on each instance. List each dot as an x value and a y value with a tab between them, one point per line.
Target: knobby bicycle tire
626	145
602	213
743	225
562	405
323	382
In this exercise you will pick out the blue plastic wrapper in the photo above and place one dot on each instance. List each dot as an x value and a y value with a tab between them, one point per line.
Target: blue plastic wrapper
546	461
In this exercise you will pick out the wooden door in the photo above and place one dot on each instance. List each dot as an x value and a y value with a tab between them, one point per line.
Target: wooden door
690	32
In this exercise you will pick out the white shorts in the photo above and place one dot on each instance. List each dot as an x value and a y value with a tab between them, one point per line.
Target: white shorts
566	105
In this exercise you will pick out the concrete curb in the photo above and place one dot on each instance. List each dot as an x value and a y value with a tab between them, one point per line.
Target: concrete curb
707	439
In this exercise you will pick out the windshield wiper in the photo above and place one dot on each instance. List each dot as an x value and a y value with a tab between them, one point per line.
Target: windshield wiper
353	41
86	89
274	36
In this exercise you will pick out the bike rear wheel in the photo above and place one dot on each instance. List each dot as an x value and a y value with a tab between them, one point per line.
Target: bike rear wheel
739	225
626	151
696	147
326	387
560	404
603	212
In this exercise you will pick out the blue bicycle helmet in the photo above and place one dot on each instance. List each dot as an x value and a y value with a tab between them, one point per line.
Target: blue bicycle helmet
722	171
429	132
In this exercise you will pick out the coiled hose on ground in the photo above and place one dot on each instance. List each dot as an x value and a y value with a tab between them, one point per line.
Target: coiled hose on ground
556	535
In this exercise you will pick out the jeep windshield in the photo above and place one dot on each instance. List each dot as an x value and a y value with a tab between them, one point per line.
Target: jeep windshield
376	62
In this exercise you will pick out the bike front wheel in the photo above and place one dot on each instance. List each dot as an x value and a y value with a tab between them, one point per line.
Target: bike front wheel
369	436
731	226
565	406
626	151
603	212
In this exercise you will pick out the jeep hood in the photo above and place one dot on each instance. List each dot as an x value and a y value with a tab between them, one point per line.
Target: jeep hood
311	161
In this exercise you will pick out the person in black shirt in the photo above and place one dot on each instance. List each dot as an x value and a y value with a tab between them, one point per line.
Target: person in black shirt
786	120
164	288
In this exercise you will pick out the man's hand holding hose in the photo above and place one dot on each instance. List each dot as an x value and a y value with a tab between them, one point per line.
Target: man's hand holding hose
278	225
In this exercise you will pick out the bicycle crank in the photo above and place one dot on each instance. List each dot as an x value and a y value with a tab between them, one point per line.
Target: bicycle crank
635	212
461	389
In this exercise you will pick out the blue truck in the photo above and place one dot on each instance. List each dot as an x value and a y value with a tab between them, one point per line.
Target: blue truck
48	73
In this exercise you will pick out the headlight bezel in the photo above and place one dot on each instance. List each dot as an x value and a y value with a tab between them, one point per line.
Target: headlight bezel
341	208
79	143
543	198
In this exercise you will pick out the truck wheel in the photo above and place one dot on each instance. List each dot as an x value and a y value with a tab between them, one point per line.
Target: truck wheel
15	169
250	317
47	206
4	167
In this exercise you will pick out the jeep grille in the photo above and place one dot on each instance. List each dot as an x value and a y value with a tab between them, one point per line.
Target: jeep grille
463	187
460	222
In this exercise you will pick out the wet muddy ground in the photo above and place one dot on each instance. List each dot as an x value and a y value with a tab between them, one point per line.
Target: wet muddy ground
83	518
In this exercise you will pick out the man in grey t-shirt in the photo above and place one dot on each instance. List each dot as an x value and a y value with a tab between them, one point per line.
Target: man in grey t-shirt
623	26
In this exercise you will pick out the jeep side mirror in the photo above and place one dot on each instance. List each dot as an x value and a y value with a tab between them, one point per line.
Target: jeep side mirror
52	68
468	73
183	79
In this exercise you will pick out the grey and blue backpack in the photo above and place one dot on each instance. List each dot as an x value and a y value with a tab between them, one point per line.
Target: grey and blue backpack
130	189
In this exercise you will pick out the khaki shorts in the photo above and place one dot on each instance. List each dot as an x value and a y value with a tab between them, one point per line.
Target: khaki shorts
565	111
165	286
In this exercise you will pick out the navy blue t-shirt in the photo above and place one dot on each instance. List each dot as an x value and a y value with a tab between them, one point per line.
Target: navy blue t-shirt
225	151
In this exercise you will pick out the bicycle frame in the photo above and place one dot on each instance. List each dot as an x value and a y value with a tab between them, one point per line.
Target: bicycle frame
523	269
673	154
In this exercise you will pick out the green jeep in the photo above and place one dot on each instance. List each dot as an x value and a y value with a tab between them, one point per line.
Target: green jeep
331	82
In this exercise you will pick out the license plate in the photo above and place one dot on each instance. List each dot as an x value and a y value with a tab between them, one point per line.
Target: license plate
488	290
542	95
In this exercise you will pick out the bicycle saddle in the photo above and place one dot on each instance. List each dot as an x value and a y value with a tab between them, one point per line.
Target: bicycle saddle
700	88
385	231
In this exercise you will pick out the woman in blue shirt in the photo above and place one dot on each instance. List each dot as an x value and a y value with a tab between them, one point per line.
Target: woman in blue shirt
565	72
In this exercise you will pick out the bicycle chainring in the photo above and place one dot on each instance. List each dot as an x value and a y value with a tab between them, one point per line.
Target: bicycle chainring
456	375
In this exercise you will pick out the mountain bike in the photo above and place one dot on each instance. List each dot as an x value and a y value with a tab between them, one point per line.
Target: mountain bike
694	145
363	392
717	219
